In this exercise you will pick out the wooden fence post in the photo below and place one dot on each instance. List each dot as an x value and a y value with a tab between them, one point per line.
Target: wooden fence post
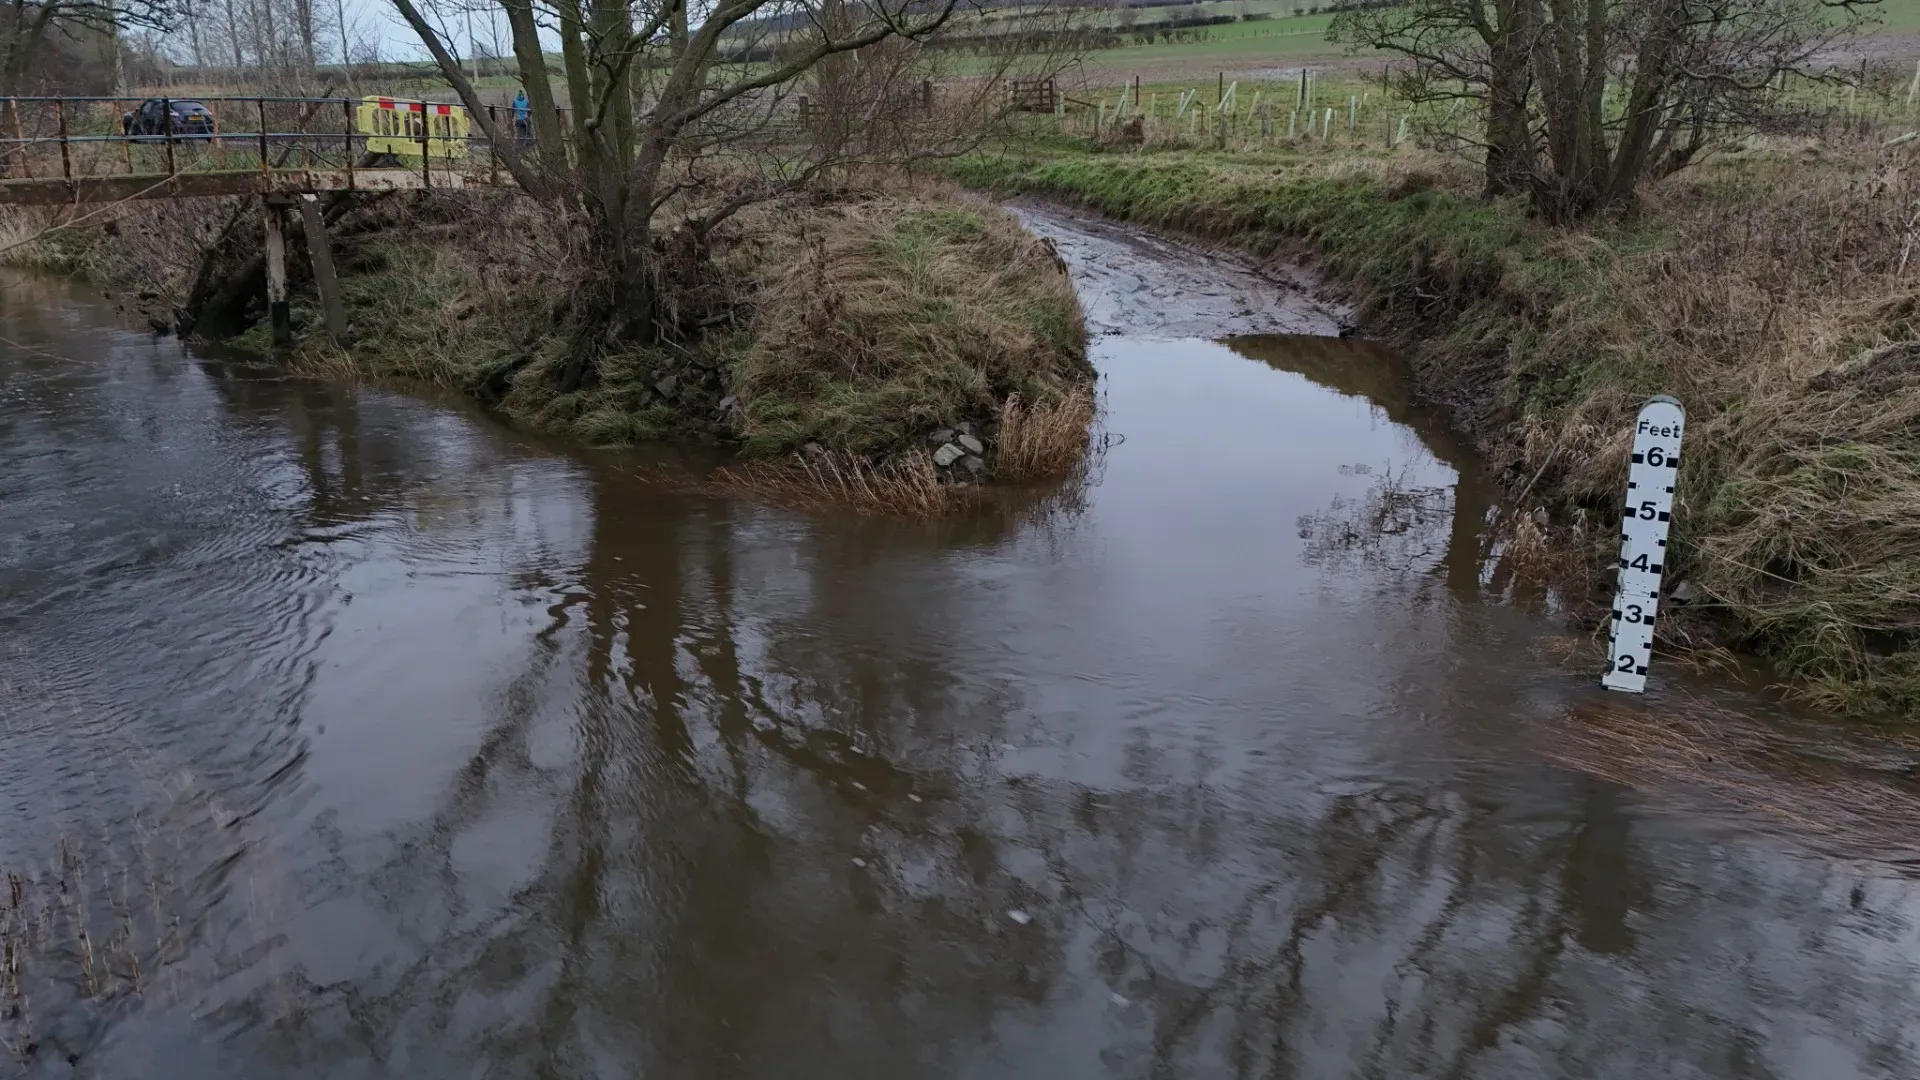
26	152
278	314
66	162
323	273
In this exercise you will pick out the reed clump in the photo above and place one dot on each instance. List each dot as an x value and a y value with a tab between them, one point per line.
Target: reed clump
906	485
78	929
115	900
1046	439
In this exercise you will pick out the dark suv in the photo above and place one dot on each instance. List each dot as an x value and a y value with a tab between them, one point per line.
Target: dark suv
190	119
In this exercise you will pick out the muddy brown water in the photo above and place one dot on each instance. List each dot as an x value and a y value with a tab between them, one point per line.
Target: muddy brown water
364	737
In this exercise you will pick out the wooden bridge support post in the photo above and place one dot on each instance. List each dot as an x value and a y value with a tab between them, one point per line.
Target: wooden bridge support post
323	273
278	315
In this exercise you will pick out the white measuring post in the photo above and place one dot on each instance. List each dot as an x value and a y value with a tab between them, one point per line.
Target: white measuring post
1643	541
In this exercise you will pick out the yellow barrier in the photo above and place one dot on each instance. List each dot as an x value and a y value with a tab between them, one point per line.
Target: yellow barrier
396	127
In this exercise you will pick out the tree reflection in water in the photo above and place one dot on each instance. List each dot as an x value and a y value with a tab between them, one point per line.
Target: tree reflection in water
533	770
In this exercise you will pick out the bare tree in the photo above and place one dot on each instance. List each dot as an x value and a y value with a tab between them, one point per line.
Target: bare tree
1576	102
194	39
233	35
307	30
30	31
346	49
658	115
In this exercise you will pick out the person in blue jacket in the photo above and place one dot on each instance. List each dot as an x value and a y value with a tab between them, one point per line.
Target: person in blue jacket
522	117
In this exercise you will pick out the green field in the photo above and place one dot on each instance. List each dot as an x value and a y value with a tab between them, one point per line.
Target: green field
1264	49
1285	40
1898	16
1236	45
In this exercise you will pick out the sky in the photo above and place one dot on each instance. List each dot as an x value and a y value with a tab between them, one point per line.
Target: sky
376	19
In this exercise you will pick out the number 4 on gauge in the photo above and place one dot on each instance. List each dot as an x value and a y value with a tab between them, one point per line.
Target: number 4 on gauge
1643	541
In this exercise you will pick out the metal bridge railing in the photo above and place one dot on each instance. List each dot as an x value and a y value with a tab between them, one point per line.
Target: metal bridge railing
75	139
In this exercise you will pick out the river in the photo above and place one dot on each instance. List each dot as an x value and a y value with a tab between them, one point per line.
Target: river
349	733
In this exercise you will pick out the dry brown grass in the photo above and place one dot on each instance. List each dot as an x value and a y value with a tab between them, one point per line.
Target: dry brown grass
149	249
1779	301
1049	439
860	323
906	485
885	319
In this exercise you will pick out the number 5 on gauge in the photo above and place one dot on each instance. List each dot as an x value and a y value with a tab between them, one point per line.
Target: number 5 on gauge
1643	541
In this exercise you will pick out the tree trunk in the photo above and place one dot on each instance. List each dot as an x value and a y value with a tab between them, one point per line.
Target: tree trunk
346	51
833	82
1574	137
573	56
233	38
110	54
1509	165
533	75
613	67
303	15
269	36
193	37
1646	106
23	43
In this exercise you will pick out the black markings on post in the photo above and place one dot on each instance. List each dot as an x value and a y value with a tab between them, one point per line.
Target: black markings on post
1643	541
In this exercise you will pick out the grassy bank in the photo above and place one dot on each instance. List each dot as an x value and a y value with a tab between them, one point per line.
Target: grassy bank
1773	290
856	327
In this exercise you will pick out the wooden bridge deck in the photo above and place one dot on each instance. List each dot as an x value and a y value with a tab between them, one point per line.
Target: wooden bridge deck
56	191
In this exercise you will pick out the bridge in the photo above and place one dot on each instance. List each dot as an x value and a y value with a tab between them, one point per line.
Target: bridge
68	151
73	150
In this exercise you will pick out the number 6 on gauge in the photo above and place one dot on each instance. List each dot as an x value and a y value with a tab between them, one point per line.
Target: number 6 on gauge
1643	541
